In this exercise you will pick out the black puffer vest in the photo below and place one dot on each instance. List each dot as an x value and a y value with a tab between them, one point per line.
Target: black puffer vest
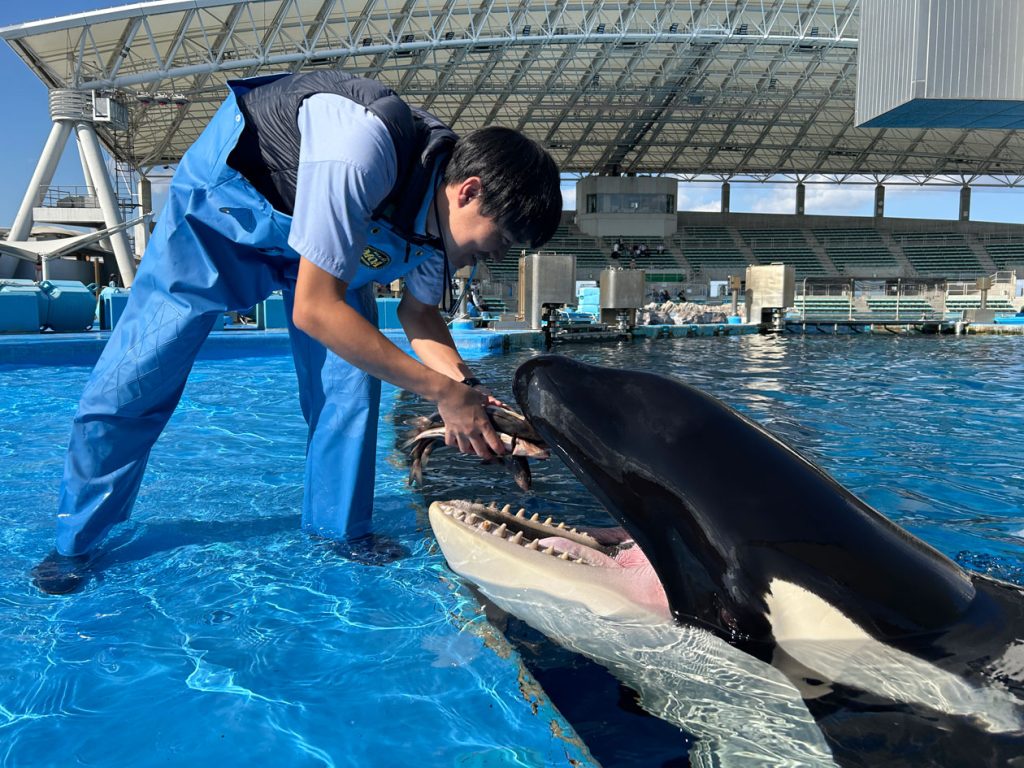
267	153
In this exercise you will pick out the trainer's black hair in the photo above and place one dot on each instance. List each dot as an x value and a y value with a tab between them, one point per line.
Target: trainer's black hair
519	180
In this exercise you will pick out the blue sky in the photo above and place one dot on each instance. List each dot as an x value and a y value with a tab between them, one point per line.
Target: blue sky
24	128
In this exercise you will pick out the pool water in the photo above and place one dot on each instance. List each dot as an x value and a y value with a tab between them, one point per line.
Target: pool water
927	430
219	633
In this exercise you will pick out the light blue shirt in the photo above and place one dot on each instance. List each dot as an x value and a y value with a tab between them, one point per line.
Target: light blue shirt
347	166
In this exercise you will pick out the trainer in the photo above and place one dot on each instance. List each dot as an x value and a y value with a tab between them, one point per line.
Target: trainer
318	185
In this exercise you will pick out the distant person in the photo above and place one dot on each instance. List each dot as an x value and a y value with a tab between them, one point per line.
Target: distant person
661	249
632	263
664	295
681	296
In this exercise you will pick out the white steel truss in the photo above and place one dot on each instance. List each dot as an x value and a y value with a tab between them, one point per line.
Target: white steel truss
693	87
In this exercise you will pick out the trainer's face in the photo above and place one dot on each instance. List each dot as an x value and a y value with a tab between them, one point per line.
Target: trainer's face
471	236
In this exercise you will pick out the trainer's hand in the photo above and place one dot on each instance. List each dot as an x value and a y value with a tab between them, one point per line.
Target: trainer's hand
466	424
491	399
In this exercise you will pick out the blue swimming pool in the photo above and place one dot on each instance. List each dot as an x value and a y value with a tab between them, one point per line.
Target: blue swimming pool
219	633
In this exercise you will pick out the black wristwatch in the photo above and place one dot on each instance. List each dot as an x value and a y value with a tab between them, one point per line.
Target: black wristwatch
471	381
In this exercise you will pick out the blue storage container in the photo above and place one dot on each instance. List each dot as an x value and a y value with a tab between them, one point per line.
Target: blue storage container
112	304
19	306
67	306
270	313
387	314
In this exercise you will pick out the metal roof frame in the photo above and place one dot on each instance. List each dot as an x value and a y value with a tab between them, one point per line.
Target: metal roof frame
696	88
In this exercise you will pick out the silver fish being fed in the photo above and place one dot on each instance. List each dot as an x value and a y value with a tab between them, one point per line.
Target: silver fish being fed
521	442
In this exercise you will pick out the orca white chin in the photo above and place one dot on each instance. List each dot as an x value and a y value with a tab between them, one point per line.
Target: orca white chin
512	556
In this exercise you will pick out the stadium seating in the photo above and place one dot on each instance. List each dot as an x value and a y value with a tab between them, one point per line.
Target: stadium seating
1006	253
788	246
939	254
710	250
819	307
1000	305
702	249
856	252
901	308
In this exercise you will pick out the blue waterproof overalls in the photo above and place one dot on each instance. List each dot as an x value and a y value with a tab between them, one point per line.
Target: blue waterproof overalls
219	246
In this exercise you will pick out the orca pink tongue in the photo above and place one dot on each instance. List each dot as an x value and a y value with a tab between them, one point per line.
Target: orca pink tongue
633	557
577	550
631	563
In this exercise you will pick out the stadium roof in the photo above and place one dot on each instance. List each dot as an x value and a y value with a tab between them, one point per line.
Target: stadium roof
691	87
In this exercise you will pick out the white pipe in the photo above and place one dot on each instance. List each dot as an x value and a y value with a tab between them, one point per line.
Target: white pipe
145	192
90	146
45	168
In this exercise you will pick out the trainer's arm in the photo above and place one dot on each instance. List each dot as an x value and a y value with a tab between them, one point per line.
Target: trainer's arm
430	338
320	310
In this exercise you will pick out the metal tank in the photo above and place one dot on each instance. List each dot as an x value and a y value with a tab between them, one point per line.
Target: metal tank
545	280
622	294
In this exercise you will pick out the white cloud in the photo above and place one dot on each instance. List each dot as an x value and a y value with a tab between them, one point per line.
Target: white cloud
763	198
569	198
699	197
839	200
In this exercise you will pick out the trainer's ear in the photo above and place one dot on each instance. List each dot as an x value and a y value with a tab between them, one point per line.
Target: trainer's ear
469	190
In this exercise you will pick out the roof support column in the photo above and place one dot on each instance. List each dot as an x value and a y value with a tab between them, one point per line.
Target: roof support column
725	197
879	201
93	156
801	195
965	203
145	192
41	179
73	109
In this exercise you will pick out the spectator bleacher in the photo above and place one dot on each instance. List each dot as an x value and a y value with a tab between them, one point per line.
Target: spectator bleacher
901	308
940	254
1000	304
856	252
709	246
651	261
788	246
709	250
1005	253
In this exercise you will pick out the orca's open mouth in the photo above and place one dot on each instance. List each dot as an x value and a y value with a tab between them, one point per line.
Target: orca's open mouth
594	547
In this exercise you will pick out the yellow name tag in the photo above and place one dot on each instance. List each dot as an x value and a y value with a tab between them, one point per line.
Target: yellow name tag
374	258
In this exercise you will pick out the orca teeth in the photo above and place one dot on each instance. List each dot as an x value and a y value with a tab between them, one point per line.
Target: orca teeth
501	522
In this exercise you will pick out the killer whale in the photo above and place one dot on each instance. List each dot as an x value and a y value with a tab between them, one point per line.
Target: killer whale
891	646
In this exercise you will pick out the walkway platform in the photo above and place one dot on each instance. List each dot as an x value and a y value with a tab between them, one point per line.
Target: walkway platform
84	348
